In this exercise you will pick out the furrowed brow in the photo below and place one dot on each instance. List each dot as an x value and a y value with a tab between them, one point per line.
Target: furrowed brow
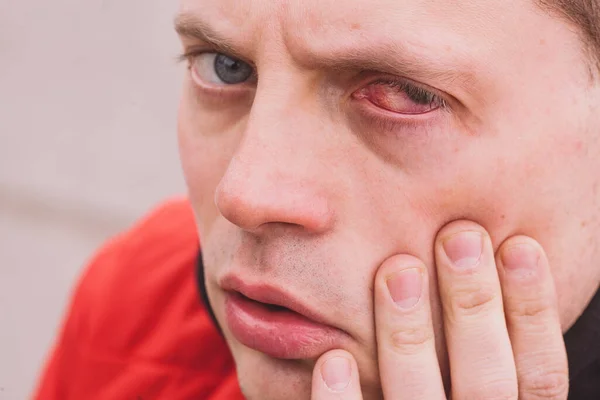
388	57
382	56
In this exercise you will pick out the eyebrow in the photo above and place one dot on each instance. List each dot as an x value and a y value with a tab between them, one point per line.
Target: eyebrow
385	56
190	26
388	56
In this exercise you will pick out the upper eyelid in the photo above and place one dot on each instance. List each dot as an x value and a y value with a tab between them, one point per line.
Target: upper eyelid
208	47
383	77
407	84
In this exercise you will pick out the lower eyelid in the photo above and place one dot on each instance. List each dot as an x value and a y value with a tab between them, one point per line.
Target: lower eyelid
364	102
202	83
371	117
220	93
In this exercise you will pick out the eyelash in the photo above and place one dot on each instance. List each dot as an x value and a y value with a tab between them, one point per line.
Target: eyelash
188	55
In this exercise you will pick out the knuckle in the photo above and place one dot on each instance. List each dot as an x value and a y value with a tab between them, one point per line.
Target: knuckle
553	385
530	309
410	341
473	301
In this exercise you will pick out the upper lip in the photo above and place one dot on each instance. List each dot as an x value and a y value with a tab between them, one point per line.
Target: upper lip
268	294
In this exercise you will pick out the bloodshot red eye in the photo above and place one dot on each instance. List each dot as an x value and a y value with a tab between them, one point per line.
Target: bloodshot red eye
399	97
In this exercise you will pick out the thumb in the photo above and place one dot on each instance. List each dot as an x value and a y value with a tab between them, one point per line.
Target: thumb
336	377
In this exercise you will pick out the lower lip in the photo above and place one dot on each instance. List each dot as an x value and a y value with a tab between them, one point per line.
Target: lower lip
277	333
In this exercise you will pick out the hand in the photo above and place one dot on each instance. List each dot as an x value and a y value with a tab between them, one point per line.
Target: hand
500	317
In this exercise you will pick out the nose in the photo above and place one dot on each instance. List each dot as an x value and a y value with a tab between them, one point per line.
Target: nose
277	175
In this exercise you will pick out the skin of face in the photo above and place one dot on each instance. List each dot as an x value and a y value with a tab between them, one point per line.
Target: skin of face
296	182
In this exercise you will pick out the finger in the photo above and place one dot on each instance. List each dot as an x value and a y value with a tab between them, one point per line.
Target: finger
481	358
531	310
408	363
335	376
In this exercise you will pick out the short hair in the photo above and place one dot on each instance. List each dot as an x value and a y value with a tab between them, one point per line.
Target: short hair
585	15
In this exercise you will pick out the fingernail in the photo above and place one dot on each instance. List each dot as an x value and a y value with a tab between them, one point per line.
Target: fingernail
336	373
464	249
520	257
406	287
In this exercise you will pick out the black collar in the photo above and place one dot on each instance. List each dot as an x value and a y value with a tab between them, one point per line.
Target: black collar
202	289
583	349
582	342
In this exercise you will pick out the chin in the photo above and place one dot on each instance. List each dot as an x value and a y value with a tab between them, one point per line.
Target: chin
265	378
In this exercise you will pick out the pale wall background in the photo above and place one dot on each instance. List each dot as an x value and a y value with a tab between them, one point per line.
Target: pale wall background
88	97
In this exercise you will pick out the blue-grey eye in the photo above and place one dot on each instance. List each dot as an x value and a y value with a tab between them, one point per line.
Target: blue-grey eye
231	70
220	69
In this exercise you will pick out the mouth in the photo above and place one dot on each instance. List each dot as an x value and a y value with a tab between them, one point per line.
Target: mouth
272	322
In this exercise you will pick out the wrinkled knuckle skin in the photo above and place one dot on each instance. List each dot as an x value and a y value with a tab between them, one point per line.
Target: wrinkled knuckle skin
411	341
530	308
473	301
547	386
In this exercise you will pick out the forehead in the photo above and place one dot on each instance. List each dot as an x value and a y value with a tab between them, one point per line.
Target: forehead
482	38
304	20
484	43
477	37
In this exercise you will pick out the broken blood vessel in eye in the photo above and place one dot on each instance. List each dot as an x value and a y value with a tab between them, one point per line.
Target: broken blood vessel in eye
394	98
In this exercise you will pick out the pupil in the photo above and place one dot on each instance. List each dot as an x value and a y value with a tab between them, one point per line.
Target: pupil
230	70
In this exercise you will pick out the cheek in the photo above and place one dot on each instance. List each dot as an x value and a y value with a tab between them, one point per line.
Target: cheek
196	162
207	142
537	190
500	193
507	191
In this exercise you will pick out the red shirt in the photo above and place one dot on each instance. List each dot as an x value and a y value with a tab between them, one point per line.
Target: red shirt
136	328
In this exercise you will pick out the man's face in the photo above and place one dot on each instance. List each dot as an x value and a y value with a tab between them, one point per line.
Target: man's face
347	132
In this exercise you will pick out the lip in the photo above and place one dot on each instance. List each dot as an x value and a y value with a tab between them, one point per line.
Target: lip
294	332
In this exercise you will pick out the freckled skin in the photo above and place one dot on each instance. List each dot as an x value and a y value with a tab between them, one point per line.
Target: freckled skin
291	190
